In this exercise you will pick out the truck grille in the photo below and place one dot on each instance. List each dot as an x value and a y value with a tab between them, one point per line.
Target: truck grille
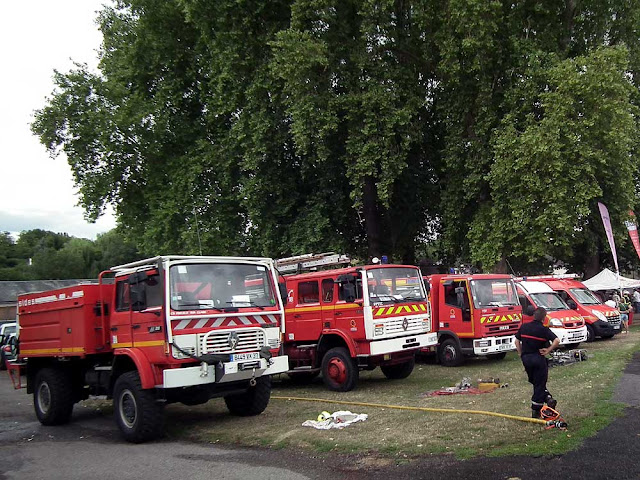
614	320
397	325
500	330
249	340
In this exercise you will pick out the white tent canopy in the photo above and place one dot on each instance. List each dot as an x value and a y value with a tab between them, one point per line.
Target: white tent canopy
608	280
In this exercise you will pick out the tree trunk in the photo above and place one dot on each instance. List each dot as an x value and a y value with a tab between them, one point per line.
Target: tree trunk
592	265
501	266
569	21
371	218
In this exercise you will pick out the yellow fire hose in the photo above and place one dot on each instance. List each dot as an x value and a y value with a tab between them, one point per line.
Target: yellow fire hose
420	409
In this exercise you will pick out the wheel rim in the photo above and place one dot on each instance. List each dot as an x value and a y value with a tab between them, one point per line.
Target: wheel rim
128	408
44	397
449	353
337	370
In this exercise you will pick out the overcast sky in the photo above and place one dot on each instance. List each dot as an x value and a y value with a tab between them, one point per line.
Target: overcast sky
36	37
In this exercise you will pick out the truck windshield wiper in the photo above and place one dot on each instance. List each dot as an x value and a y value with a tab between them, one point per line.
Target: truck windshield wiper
413	299
386	298
244	304
200	306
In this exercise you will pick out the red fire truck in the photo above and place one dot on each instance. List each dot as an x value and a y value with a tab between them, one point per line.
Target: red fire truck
162	330
344	320
567	324
602	320
476	315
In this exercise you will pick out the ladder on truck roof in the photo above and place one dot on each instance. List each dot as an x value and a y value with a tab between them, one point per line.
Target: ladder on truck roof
308	261
555	276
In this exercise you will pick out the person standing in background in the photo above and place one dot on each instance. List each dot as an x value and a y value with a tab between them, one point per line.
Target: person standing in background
636	301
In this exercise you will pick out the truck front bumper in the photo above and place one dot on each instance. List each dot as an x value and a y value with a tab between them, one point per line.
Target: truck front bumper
400	344
489	345
569	336
223	372
605	329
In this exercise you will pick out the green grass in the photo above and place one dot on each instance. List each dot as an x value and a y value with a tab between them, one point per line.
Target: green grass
583	390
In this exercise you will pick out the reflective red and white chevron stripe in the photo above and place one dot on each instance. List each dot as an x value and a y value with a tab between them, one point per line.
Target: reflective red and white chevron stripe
196	323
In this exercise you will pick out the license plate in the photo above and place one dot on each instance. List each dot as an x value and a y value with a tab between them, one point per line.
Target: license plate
242	357
504	347
504	327
616	327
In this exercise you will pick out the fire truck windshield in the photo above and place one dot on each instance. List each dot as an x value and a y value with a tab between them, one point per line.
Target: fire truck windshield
494	293
219	286
394	285
549	301
584	296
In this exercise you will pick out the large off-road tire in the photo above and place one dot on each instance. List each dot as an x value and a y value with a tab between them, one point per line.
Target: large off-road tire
339	371
138	415
53	396
498	356
253	401
591	335
301	378
450	354
399	371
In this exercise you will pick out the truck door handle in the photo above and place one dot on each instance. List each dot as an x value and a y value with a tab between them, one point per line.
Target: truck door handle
114	329
337	313
135	326
297	316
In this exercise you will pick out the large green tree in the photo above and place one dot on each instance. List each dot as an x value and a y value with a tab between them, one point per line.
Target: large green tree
370	127
531	94
358	78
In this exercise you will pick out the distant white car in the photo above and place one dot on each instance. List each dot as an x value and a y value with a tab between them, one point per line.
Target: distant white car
7	332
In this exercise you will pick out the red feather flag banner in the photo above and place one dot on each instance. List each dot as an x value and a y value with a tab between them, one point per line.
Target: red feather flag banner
632	227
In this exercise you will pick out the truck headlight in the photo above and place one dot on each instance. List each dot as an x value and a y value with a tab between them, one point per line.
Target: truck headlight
482	343
555	322
378	329
599	315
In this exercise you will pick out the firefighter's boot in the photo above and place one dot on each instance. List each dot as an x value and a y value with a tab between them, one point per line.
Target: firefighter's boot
552	402
535	413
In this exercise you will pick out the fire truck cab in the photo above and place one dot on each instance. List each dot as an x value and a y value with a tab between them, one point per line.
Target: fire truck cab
601	320
161	330
341	321
476	315
567	324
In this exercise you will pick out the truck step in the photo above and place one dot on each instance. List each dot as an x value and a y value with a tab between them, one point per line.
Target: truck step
303	370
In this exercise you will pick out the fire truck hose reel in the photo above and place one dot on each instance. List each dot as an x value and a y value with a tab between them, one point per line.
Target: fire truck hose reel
540	421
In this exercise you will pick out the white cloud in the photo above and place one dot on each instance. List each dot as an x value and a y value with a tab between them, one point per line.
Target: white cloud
37	37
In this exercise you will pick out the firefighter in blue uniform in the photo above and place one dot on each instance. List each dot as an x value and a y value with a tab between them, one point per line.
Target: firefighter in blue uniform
534	341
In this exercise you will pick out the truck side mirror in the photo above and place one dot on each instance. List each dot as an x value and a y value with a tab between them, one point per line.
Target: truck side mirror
460	296
138	297
282	286
137	277
572	305
349	290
